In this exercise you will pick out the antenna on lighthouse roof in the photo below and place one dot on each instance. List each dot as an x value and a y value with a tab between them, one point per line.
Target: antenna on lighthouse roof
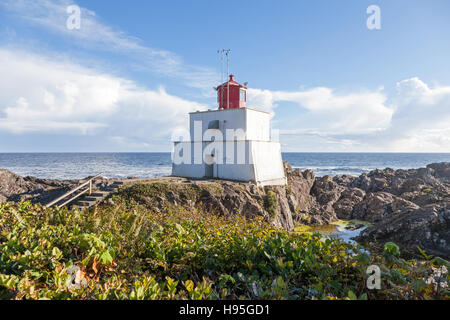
222	53
227	53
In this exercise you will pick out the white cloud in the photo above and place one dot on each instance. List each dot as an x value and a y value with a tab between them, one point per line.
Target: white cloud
40	95
421	121
417	119
329	112
95	34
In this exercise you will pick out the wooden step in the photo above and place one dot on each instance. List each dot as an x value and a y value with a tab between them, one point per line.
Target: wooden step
111	189
84	203
91	198
99	194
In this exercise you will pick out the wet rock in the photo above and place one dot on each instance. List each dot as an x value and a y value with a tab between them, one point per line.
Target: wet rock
353	227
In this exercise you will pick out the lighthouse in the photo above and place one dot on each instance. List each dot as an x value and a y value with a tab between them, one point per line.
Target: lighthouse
232	142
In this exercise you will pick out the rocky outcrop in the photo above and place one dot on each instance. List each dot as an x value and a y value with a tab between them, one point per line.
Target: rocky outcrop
427	228
348	200
409	207
376	206
282	206
15	188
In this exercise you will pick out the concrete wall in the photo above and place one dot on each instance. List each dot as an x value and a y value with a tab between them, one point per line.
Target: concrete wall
258	125
262	158
269	168
254	124
228	119
266	155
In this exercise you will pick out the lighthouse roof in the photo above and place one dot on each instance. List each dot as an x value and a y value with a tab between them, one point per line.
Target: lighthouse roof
231	82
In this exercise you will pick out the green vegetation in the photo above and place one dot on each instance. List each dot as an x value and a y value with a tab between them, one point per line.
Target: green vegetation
126	251
150	194
270	203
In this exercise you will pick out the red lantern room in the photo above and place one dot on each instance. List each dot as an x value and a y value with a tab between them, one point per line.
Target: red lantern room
231	95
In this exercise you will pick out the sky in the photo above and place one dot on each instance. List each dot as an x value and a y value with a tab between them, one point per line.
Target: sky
126	79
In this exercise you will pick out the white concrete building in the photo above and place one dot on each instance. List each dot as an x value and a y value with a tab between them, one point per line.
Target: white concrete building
230	143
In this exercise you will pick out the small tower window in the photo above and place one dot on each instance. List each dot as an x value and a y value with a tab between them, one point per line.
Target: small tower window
243	95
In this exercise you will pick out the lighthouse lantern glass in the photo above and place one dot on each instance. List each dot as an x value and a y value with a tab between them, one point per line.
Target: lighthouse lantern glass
243	95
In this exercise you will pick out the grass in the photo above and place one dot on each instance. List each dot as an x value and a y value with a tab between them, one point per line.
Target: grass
126	251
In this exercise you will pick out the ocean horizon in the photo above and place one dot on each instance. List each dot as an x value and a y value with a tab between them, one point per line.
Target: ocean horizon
78	165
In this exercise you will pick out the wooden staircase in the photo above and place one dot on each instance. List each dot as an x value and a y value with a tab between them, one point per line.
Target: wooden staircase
84	196
97	197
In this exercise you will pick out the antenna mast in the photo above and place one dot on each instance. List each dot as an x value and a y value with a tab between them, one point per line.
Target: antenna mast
227	53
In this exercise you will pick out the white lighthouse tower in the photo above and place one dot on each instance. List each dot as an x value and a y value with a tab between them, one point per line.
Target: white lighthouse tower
231	143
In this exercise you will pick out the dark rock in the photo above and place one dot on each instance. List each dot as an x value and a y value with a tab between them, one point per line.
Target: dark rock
348	200
378	205
326	191
15	188
354	227
427	227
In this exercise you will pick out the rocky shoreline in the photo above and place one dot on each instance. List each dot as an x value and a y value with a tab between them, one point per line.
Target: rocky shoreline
409	207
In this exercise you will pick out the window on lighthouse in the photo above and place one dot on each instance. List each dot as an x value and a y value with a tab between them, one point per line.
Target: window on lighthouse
242	95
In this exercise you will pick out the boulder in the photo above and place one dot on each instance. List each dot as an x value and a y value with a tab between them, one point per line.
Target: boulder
378	205
348	200
427	227
441	171
326	191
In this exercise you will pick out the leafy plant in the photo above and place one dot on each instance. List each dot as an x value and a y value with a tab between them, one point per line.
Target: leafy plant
392	249
124	250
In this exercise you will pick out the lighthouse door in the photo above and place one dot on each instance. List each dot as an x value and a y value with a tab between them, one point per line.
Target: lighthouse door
209	168
209	171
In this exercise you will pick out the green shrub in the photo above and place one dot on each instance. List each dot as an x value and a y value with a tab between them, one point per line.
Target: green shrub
392	249
126	251
271	203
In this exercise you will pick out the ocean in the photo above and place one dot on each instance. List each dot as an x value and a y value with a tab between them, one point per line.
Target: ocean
145	165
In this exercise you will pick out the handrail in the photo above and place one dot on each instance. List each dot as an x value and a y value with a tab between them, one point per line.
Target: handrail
72	199
73	191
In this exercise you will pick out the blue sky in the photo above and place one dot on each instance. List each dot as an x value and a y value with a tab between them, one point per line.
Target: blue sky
127	78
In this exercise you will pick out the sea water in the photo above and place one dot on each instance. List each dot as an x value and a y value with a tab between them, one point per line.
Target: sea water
147	165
